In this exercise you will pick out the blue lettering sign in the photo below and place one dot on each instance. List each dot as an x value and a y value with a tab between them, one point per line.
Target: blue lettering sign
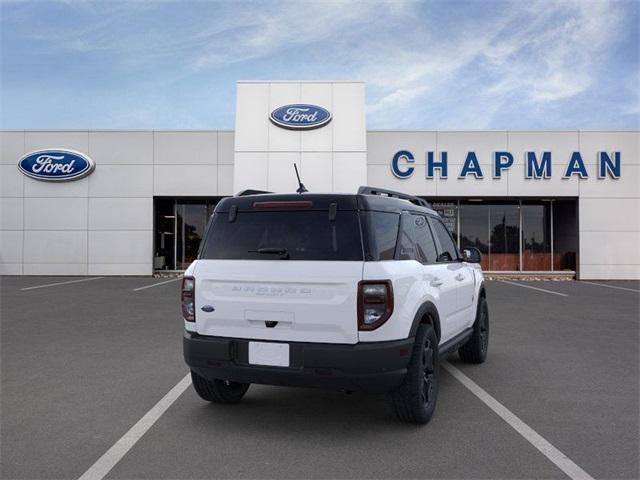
441	165
395	166
576	165
499	165
471	165
533	169
606	165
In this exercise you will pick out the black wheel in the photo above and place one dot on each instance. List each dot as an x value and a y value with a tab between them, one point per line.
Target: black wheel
218	391
475	350
415	400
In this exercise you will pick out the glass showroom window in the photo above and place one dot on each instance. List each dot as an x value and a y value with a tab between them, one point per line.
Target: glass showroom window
514	235
179	227
474	228
191	219
165	234
536	235
565	234
504	239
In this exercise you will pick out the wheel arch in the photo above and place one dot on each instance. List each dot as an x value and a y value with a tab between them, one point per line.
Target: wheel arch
482	293
426	314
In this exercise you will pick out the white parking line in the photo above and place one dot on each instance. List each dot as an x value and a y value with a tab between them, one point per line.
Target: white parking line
563	462
534	288
611	286
61	283
111	457
157	284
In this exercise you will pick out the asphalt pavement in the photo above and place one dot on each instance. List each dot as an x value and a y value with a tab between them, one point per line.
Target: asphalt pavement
82	362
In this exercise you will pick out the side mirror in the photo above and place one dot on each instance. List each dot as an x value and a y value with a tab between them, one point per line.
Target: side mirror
471	255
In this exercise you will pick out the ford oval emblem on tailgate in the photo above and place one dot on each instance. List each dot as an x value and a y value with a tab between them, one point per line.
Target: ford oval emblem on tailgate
207	308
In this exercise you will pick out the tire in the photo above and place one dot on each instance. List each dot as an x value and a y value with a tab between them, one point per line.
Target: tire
415	399
218	391
475	350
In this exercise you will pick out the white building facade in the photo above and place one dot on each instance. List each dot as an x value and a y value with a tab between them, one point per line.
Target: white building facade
529	200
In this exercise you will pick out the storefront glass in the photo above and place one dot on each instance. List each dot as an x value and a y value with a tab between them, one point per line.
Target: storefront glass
565	234
536	236
179	228
548	240
474	229
504	225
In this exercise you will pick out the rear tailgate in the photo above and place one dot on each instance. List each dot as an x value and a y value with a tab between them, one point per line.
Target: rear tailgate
281	268
310	301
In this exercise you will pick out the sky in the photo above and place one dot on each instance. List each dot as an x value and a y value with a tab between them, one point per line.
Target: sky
427	65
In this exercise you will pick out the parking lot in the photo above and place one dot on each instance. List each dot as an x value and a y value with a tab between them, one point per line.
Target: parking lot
83	361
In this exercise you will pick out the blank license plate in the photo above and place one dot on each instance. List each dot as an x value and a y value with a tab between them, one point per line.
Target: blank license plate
272	354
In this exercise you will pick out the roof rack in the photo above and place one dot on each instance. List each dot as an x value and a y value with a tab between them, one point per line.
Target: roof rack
365	190
250	191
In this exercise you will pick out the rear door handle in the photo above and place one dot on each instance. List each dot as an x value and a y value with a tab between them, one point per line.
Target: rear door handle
460	277
436	282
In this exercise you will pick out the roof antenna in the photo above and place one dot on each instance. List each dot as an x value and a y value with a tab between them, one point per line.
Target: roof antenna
301	188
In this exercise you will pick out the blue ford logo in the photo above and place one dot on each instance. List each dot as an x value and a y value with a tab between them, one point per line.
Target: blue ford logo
300	116
56	165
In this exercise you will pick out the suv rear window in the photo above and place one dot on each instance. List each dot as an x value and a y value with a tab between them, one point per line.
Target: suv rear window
304	235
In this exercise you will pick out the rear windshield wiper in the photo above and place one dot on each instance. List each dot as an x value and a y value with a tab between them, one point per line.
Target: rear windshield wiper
283	252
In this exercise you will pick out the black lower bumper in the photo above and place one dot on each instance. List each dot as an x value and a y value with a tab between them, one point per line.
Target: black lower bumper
374	367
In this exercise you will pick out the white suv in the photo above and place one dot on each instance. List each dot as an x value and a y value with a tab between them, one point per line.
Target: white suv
363	292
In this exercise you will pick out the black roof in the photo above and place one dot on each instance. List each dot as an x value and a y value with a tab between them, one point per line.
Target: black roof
321	201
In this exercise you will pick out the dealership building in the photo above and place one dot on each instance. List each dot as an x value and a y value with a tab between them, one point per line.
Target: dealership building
133	202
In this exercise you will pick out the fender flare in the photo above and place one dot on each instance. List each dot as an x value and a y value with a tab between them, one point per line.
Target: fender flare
427	308
481	290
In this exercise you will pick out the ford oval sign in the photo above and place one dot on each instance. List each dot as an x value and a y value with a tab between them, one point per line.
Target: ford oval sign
300	116
56	165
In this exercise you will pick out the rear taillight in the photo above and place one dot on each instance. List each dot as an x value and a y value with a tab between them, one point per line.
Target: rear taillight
188	299
375	303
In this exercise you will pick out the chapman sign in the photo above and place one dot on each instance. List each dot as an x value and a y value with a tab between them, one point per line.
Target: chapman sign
537	165
56	165
300	116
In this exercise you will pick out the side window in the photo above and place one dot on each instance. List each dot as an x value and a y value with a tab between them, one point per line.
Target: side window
407	248
424	240
447	251
380	234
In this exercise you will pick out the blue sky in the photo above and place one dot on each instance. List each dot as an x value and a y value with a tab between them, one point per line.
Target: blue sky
444	65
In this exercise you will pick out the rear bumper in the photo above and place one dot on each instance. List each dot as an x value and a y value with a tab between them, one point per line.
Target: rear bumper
375	367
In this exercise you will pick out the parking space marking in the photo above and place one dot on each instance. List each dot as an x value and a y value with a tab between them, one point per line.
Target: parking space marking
534	288
111	457
157	284
611	286
61	283
563	462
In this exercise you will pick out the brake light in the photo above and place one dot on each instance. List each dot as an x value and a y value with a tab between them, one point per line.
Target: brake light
284	204
375	303
188	299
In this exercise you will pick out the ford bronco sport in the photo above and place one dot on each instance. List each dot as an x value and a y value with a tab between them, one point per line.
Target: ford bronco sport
363	292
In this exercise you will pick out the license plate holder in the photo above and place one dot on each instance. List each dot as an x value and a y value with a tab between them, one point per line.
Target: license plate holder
269	354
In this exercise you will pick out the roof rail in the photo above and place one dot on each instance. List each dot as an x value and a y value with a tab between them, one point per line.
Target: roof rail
365	190
250	191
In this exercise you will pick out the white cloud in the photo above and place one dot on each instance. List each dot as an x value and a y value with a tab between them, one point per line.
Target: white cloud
546	52
289	26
